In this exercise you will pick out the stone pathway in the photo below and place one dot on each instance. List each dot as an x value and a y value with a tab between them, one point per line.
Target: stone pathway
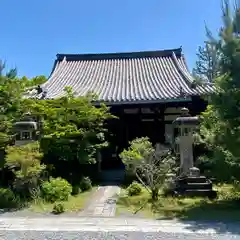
103	202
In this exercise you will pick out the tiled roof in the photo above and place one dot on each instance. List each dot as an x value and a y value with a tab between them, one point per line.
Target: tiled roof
124	77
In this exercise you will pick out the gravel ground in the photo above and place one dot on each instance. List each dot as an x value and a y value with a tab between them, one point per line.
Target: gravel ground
66	228
21	235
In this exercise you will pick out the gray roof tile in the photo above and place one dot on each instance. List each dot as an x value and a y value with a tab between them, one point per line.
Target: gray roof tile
124	77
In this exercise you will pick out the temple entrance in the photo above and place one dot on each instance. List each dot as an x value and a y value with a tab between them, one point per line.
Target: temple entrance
111	159
123	132
146	128
110	155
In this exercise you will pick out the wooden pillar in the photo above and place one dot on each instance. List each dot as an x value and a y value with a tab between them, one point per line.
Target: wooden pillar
159	121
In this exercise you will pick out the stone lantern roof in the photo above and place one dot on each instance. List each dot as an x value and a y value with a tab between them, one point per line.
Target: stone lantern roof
186	119
27	122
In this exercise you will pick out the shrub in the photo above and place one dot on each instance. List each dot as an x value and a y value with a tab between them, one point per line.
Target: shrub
8	198
75	190
25	164
35	194
58	208
85	184
134	189
56	189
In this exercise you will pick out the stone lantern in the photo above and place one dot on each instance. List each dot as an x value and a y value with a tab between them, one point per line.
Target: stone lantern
185	126
189	182
26	130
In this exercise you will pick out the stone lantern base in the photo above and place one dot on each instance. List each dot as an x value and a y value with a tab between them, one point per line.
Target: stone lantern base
193	185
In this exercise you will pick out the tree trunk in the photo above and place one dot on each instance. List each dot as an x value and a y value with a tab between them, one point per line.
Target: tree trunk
155	194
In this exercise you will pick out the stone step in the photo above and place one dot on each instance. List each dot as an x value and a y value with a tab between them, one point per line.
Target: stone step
201	179
206	185
199	193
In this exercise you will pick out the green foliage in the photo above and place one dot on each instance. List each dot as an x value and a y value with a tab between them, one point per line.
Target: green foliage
33	82
139	149
232	195
149	166
58	208
75	190
56	189
207	65
8	199
85	184
10	102
73	131
73	128
25	163
220	128
134	189
5	140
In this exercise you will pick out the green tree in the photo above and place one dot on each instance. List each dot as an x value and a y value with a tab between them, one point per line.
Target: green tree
25	163
207	64
10	101
150	167
73	128
220	129
33	82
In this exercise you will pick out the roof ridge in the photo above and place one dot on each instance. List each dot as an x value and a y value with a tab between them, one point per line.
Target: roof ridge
186	76
118	55
181	70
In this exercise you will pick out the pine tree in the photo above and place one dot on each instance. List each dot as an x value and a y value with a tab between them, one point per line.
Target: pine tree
207	65
221	121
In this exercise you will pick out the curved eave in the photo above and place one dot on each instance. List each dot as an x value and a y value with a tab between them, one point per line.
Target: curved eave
200	89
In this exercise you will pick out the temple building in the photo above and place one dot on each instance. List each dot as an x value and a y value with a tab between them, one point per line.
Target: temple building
146	90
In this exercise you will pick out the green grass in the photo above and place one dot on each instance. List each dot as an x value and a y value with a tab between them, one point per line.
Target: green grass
225	207
74	203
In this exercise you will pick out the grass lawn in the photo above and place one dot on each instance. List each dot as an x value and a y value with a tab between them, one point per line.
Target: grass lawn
74	203
223	208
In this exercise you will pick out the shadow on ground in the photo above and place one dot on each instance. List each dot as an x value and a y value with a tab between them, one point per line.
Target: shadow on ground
12	211
222	216
220	227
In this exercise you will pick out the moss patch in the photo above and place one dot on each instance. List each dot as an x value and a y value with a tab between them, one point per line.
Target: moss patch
225	207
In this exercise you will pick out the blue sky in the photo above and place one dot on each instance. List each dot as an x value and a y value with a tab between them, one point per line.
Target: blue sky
33	32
